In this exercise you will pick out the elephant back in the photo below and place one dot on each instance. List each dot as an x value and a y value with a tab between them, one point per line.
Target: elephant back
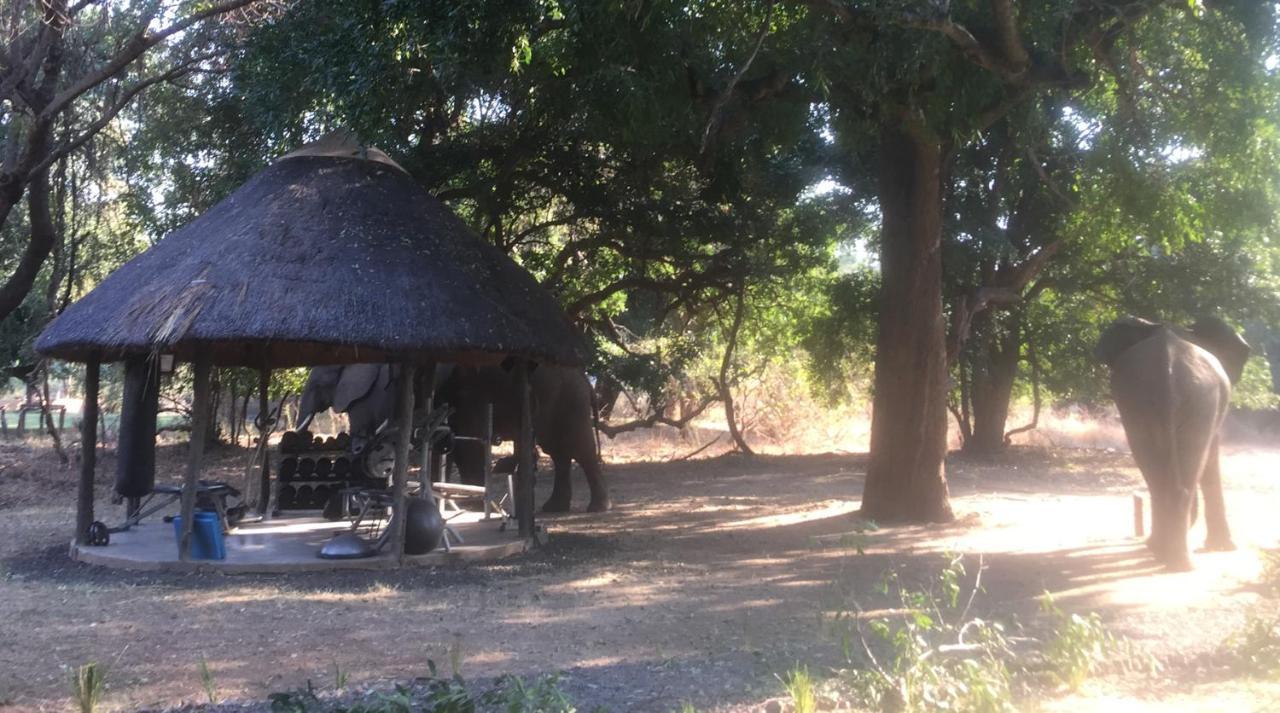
1121	336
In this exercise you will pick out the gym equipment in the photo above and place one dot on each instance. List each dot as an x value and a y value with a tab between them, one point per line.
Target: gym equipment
206	535
313	468
99	535
424	527
211	495
136	449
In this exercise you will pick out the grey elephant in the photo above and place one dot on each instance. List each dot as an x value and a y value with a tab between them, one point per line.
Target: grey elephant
562	415
1172	388
563	424
365	392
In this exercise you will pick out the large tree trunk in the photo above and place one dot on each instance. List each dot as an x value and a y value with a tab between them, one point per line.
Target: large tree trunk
994	373
906	479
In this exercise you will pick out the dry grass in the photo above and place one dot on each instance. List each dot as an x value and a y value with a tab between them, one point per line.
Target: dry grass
705	581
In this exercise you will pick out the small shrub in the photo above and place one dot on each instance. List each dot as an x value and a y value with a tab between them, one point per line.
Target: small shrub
297	701
929	655
1080	646
1255	648
800	686
514	695
1269	579
450	696
87	683
339	677
206	681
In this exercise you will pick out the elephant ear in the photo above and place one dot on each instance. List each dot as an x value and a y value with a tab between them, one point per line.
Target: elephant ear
319	389
1219	339
355	383
1120	336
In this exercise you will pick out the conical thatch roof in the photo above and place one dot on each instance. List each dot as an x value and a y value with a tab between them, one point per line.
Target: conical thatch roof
330	255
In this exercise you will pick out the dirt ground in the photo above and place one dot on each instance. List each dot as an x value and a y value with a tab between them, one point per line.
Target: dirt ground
707	579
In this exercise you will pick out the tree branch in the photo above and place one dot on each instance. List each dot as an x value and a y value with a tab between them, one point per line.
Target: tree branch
15	289
657	417
133	49
1006	20
1008	291
115	108
713	118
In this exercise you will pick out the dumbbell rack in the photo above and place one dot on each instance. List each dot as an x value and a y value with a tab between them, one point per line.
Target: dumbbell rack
310	470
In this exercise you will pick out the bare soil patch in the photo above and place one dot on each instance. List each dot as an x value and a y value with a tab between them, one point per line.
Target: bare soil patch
707	579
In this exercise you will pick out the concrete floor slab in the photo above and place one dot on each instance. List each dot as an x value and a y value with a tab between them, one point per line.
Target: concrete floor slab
291	544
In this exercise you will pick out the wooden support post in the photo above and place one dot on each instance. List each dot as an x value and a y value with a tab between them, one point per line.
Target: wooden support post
524	453
486	460
264	434
1139	521
400	476
88	450
427	474
199	429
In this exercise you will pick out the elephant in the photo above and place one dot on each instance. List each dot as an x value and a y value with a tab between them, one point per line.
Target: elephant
562	415
563	424
365	392
1172	387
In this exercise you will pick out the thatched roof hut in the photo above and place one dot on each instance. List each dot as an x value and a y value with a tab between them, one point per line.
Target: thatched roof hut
330	255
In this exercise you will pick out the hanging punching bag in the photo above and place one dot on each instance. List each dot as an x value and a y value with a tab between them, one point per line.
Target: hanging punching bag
136	452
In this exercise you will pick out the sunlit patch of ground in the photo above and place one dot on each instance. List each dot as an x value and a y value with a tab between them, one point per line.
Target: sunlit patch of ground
1244	696
707	579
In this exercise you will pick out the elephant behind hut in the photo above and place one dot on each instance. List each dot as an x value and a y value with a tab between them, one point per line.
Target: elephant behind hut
563	424
365	392
1172	388
563	417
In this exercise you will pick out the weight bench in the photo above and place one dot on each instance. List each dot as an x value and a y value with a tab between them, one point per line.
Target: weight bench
162	496
493	500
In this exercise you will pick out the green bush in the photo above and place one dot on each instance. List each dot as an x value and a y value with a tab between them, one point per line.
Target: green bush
1255	648
929	654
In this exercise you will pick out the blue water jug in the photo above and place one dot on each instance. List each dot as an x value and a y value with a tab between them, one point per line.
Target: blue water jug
206	536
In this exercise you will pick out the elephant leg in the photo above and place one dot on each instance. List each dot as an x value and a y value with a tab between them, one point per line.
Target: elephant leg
1174	550
469	457
1215	511
562	491
600	501
1150	452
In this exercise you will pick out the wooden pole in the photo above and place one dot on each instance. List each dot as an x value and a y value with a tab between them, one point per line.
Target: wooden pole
199	429
400	476
427	474
486	459
524	453
1139	521
88	450
264	433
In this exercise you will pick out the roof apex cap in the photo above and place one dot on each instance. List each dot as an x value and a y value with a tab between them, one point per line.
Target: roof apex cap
344	143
